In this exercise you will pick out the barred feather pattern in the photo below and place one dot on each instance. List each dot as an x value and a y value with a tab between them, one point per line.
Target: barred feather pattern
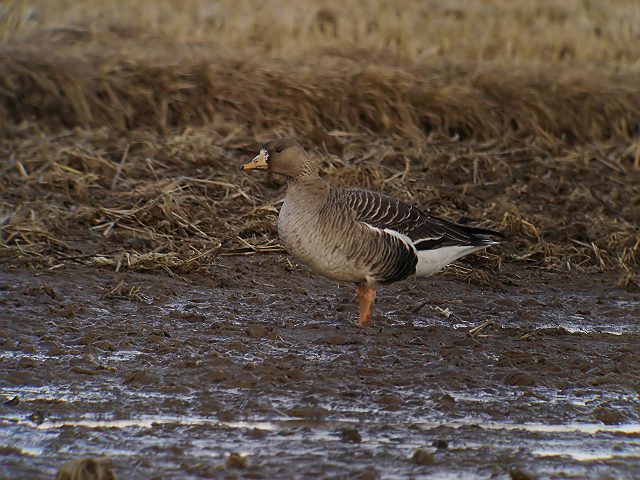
386	257
424	230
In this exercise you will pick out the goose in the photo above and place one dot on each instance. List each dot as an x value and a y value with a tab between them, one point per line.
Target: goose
360	236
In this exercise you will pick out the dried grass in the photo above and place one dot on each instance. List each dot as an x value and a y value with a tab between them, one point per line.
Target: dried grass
121	147
519	31
469	101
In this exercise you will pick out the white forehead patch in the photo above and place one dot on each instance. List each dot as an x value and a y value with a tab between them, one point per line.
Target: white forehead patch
264	153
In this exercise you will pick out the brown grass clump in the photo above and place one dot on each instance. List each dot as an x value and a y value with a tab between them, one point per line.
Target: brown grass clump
85	469
122	130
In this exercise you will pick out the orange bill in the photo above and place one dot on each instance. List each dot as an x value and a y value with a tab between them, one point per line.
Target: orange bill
260	162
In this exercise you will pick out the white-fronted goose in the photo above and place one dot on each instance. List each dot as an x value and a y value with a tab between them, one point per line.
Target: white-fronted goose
359	236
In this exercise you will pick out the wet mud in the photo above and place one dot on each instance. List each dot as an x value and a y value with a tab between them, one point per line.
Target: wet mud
257	370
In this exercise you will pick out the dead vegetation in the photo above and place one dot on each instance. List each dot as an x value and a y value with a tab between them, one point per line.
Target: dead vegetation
121	140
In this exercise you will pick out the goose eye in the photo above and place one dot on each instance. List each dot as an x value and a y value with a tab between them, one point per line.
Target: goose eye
278	150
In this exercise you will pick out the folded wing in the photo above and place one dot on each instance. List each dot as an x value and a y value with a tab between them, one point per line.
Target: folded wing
425	231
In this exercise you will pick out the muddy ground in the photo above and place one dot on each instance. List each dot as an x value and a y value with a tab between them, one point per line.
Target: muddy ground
257	370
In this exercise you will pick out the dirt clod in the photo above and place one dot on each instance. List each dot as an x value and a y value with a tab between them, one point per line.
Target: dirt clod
521	474
350	435
368	474
37	417
12	402
609	415
520	379
423	457
86	469
440	444
235	460
256	331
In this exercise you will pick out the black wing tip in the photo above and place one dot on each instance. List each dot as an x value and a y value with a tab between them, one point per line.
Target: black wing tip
473	231
484	238
477	237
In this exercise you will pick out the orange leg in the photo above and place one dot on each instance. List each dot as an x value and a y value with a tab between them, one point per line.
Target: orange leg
367	296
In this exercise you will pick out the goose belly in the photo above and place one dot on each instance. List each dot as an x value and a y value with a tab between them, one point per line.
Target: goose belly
324	254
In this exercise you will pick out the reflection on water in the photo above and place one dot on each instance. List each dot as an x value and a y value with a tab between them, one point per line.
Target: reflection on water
142	422
583	456
284	423
546	428
81	393
546	447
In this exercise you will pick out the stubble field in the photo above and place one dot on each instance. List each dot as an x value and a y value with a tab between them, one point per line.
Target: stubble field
150	315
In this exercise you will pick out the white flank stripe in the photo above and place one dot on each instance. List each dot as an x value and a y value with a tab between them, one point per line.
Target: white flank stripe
401	236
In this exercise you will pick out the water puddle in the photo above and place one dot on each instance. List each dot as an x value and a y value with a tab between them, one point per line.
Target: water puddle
587	428
144	422
582	456
581	442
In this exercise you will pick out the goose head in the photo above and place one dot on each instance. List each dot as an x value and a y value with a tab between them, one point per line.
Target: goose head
281	155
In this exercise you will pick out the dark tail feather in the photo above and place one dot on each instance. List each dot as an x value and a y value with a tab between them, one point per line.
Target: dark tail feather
478	237
482	236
